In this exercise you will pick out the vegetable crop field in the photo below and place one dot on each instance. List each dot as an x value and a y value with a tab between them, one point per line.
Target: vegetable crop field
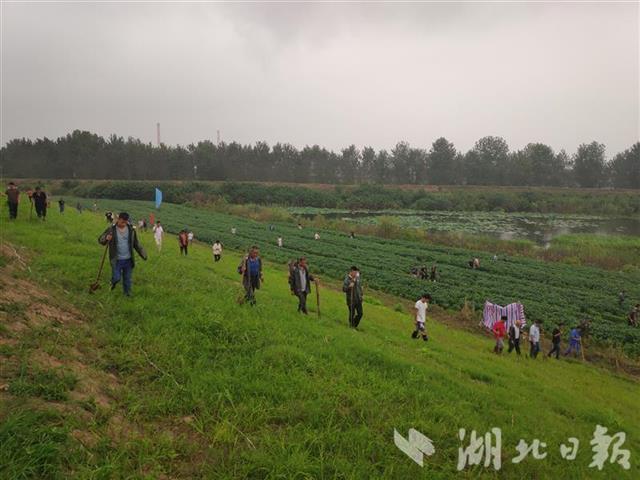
550	292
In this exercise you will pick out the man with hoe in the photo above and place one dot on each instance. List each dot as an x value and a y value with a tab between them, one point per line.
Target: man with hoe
121	240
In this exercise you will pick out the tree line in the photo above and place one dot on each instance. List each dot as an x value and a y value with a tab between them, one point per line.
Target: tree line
83	155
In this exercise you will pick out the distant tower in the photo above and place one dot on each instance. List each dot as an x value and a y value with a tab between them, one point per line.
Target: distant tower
218	136
158	132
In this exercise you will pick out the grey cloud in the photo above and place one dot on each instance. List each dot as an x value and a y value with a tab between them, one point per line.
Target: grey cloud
332	74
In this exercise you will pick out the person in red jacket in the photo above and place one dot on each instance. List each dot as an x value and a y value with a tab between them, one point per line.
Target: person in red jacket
500	331
183	240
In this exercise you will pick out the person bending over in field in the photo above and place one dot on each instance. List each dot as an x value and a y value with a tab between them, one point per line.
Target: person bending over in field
514	337
158	235
251	270
217	251
352	287
300	282
633	317
183	241
433	276
108	216
122	241
556	338
421	307
499	332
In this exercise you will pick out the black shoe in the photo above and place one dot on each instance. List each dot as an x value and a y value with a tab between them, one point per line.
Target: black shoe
113	285
425	338
414	335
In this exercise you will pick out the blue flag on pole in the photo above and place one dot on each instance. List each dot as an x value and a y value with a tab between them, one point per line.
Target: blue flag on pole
158	197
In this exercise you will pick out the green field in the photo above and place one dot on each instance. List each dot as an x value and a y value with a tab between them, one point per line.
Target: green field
551	292
180	381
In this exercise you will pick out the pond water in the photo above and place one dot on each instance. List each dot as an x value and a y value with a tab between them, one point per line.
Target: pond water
538	227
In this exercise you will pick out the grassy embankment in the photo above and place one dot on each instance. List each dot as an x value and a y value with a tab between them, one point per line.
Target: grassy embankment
181	381
551	292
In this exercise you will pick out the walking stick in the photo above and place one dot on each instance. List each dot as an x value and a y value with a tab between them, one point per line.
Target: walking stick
351	309
317	297
95	285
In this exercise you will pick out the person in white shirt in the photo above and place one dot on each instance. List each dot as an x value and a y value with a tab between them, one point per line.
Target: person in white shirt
534	339
317	236
233	230
421	307
217	251
190	237
158	234
280	242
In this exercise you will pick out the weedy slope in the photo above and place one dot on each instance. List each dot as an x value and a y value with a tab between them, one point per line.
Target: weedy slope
182	381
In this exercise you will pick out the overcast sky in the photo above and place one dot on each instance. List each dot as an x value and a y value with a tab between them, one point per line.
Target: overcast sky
331	74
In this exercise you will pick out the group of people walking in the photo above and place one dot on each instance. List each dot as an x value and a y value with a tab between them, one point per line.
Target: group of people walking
37	198
121	240
514	333
300	280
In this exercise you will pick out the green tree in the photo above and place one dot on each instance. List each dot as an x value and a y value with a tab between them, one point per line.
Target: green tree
589	165
487	162
442	162
545	167
625	168
349	165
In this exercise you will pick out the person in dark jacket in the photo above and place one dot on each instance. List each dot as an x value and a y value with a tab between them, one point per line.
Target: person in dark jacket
13	197
122	240
514	336
352	287
556	337
39	199
300	282
61	205
251	270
